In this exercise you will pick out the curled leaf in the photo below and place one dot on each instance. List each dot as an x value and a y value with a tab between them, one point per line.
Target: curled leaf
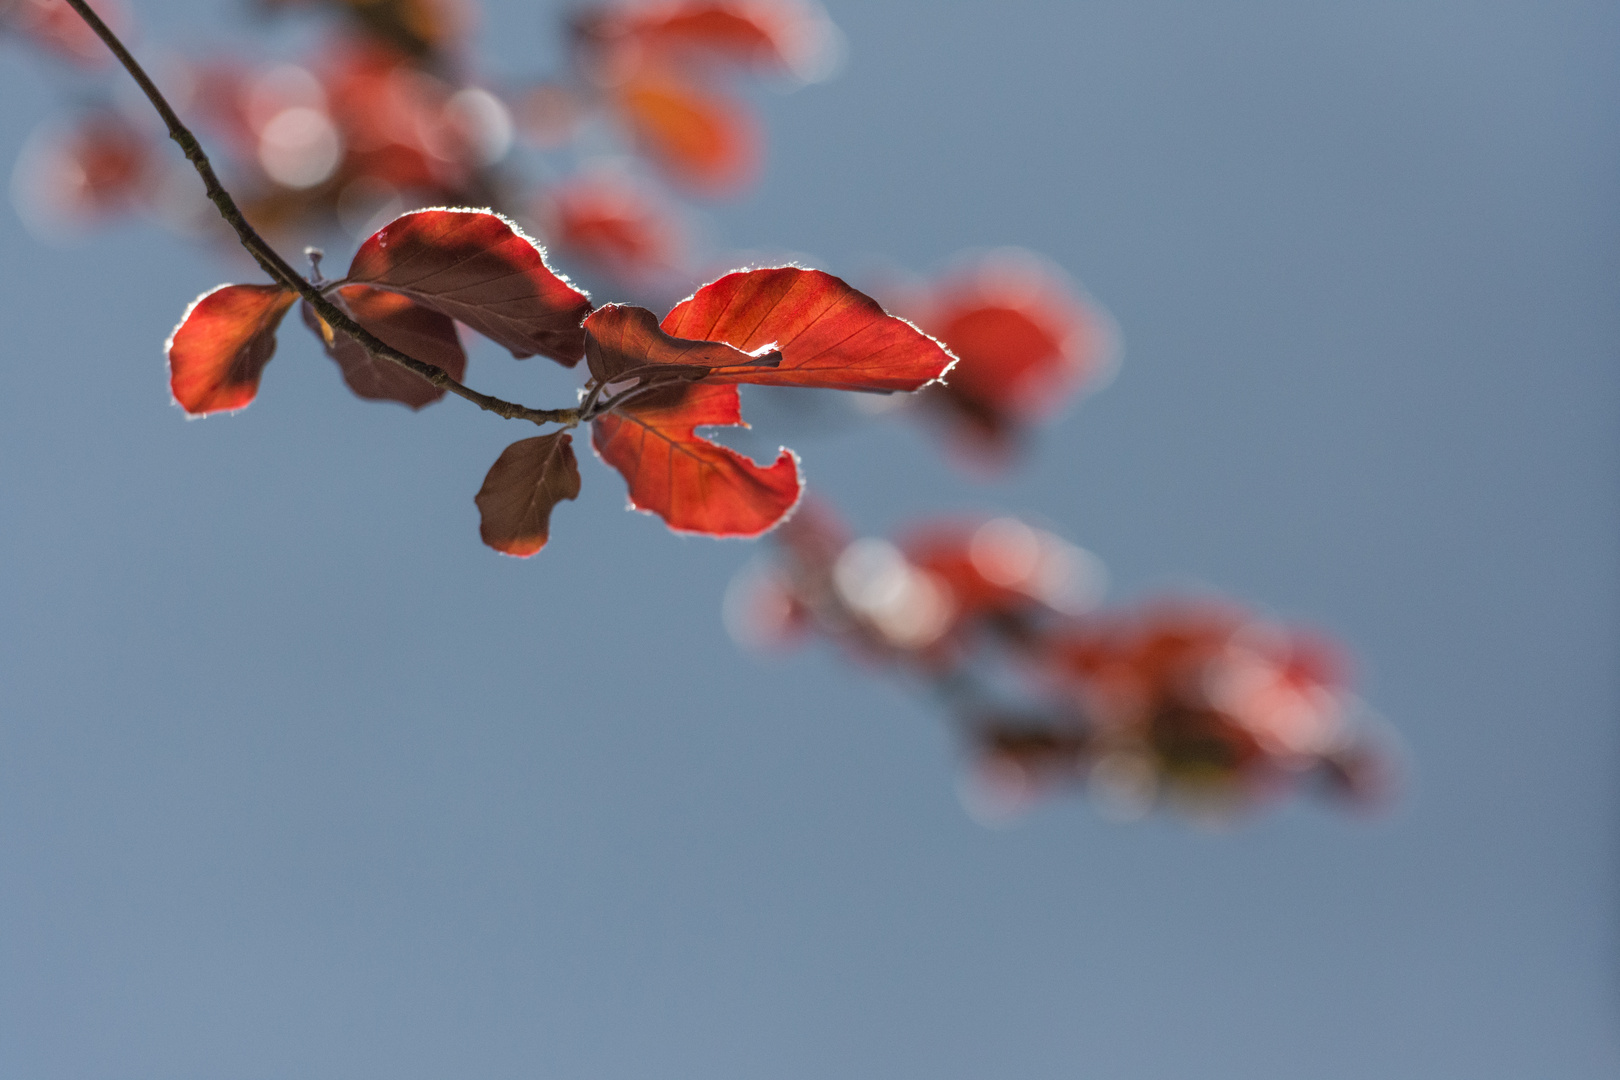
219	350
693	484
830	335
623	341
413	329
479	269
523	486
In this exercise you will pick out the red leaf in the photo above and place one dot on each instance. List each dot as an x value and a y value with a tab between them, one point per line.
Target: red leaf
830	335
478	268
58	27
693	484
780	35
100	166
526	482
414	330
612	225
701	140
620	340
220	348
418	27
1027	336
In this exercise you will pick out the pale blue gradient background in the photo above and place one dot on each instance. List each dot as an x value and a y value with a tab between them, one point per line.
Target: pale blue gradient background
296	779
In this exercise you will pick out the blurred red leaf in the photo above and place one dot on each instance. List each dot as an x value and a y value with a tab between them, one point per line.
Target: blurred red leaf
623	341
220	348
769	35
418	27
693	484
699	139
1004	568
1028	338
478	268
99	166
607	222
526	482
59	28
414	330
830	335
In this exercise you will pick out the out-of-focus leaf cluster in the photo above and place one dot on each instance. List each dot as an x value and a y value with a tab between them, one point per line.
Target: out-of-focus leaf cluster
1194	702
391	114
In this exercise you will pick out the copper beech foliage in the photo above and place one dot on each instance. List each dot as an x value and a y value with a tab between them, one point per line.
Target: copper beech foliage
391	112
651	385
1195	702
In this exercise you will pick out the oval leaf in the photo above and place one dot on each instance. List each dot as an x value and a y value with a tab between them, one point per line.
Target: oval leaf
693	484
480	269
702	141
414	330
220	348
529	478
830	335
1027	337
621	339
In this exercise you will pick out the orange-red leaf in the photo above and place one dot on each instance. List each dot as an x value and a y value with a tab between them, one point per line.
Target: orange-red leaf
621	340
830	335
414	330
1027	336
693	484
699	139
220	348
523	486
480	269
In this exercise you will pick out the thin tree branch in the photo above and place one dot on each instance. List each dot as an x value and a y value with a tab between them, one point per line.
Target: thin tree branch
283	272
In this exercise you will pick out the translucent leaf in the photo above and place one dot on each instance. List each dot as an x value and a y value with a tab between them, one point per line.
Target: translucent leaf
693	484
220	348
479	269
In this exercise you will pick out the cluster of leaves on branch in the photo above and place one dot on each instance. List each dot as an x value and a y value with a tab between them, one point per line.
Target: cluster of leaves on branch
650	384
1194	702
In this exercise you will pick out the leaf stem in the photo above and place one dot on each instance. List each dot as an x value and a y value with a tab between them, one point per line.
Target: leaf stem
283	272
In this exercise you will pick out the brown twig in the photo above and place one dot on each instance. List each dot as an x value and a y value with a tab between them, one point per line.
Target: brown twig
279	269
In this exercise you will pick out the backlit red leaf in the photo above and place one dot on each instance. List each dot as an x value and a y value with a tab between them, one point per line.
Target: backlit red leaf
479	269
699	139
220	348
523	486
622	341
830	335
693	484
414	330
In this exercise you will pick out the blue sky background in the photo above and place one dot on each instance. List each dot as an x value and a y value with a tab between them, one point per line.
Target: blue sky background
297	779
